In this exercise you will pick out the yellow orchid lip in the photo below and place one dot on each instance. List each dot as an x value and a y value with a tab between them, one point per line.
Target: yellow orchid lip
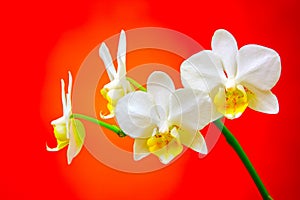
112	96
165	145
110	106
60	132
159	141
104	92
232	101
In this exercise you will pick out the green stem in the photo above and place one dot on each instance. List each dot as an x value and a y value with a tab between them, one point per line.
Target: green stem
136	84
242	155
113	128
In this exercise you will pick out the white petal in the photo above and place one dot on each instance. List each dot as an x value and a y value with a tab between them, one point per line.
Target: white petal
52	149
63	96
68	111
140	149
77	135
115	95
125	85
113	84
108	62
161	86
258	66
60	120
199	144
70	83
225	46
215	113
68	96
193	139
190	108
202	71
109	116
263	101
135	114
59	146
121	56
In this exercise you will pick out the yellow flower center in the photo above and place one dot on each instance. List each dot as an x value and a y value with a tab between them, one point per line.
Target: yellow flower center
232	101
112	100
60	132
159	141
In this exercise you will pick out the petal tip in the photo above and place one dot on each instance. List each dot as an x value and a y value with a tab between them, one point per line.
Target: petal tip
122	32
138	156
69	160
204	149
51	149
109	116
222	32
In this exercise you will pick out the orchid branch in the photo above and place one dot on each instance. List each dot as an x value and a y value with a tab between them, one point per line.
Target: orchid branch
232	141
108	126
136	84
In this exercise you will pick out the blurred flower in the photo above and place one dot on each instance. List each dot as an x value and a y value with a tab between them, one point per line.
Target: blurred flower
235	79
67	130
162	119
118	85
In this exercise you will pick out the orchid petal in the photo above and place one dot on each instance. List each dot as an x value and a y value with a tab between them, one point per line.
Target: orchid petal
121	56
63	96
258	66
136	115
199	144
60	145
108	116
114	95
68	95
190	108
140	149
70	84
202	71
113	84
60	120
193	139
161	86
76	139
68	111
125	85
108	62
224	45
263	101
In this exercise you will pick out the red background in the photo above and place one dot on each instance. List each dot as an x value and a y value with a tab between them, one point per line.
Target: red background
41	41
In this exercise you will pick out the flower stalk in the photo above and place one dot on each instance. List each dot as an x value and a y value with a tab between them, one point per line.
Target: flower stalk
136	84
244	158
108	126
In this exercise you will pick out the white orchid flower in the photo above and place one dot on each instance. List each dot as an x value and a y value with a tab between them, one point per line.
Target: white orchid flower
119	85
67	130
235	79
163	119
